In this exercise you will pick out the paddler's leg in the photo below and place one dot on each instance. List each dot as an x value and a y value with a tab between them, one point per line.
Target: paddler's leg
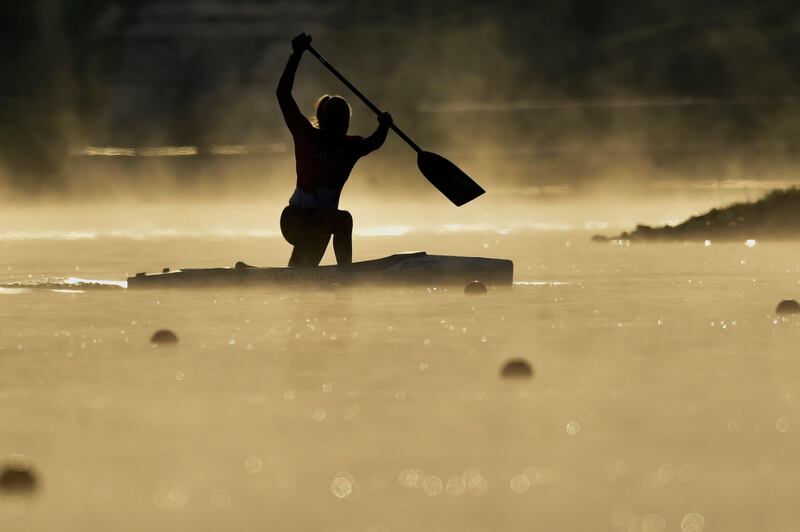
340	224
309	251
294	223
343	239
308	237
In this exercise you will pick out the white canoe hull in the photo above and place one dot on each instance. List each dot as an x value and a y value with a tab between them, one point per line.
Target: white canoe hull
405	268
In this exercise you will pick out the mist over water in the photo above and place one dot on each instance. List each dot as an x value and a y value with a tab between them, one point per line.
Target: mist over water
137	136
662	389
533	94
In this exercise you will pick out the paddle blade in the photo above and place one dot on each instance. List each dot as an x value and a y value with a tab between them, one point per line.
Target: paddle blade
448	178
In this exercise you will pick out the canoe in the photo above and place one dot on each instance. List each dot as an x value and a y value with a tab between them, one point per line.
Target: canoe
417	268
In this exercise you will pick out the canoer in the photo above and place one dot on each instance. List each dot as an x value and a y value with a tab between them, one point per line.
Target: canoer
406	269
325	155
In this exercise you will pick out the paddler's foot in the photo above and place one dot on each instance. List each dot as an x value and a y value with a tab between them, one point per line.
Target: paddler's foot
242	266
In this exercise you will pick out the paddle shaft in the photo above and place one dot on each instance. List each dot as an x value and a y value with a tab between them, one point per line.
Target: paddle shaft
364	99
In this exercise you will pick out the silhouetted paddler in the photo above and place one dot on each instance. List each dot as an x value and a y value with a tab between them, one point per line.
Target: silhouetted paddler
325	155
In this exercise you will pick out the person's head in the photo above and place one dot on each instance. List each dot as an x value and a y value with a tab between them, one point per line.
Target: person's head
333	114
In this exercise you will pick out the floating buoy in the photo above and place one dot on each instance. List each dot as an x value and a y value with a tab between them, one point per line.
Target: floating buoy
788	306
164	337
16	476
475	288
517	369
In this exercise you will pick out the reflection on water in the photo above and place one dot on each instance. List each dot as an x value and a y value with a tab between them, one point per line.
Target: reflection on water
59	285
364	231
180	151
664	388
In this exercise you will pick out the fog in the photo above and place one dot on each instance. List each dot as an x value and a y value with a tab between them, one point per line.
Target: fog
144	136
578	94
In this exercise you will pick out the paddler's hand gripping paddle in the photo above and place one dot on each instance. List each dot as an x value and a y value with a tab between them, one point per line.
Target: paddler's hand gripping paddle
444	175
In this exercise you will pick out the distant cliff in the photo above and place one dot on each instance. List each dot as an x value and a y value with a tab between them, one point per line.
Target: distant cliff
777	215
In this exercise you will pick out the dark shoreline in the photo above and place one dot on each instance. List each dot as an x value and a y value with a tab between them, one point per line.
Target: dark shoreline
775	216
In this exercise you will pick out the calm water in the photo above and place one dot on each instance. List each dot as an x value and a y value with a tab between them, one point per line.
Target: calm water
666	394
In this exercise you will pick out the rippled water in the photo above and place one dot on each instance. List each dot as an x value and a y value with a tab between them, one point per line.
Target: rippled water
665	393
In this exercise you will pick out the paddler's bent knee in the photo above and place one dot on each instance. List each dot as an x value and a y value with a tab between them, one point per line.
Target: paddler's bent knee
292	224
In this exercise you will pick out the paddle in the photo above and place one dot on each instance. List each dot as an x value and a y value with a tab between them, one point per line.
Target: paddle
444	175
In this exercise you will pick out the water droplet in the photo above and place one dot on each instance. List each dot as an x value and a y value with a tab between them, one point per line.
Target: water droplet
533	475
653	523
427	342
320	414
327	387
477	486
255	399
456	486
289	394
666	472
220	498
174	498
734	425
519	484
693	522
432	486
783	424
253	464
410	478
341	487
573	427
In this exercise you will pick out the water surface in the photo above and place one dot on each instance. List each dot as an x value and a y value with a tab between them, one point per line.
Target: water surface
665	394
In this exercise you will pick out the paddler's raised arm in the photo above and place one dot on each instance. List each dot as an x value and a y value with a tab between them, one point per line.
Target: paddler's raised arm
376	140
291	112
